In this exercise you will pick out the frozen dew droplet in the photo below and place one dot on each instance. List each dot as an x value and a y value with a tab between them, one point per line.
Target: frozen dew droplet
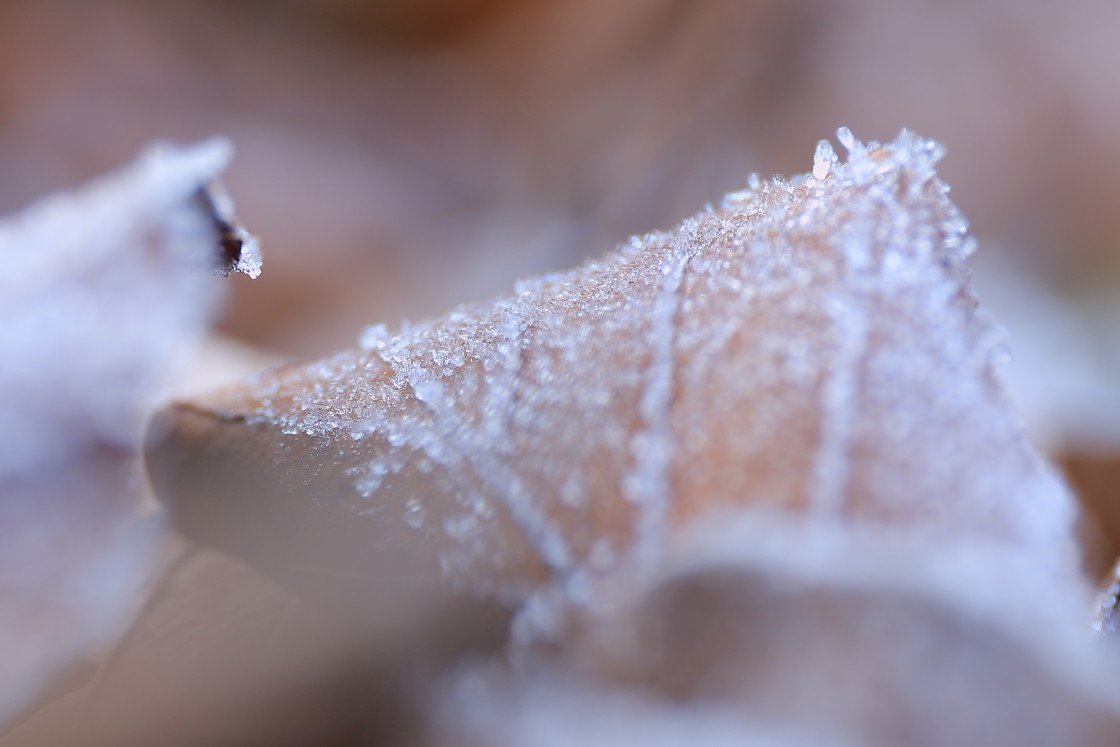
823	159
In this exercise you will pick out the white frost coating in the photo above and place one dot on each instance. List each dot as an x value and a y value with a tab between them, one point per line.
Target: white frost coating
812	346
839	405
648	484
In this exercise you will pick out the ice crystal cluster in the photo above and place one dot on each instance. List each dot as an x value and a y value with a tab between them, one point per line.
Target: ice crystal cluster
101	288
810	348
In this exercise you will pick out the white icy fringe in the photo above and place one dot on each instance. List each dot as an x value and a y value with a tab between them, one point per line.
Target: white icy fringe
101	289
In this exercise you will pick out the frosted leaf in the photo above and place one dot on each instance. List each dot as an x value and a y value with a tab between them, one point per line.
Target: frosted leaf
101	290
811	347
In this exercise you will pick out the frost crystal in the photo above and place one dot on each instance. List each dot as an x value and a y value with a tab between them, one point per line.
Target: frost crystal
848	140
823	159
810	348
